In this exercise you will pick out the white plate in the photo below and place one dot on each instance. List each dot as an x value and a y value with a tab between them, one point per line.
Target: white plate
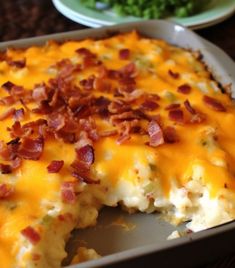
216	11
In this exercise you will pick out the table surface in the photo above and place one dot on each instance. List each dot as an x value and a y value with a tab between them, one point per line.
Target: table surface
28	18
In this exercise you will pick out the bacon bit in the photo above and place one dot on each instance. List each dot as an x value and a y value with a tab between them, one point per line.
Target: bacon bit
89	127
7	114
8	100
89	58
173	74
17	92
17	63
113	74
19	114
155	134
8	86
102	101
153	97
124	54
108	133
214	104
5	190
125	128
5	169
39	93
16	163
31	149
55	166
67	70
172	106
56	121
170	135
102	72
86	154
128	70
184	89
101	85
125	116
189	107
68	193
85	52
31	234
44	108
149	105
117	106
4	151
18	131
127	84
176	115
88	83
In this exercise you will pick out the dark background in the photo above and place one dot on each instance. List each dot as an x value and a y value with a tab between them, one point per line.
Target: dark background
28	18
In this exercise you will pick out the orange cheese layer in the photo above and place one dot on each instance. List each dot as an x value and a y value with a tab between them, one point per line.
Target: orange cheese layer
115	162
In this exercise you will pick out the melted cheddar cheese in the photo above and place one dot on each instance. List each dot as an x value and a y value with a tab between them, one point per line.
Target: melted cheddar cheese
184	178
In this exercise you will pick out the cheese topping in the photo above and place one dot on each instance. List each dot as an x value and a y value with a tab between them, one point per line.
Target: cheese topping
166	85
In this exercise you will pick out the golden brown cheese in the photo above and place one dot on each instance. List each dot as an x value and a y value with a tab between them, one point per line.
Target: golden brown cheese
113	161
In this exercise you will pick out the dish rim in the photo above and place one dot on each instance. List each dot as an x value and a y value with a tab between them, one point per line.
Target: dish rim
210	49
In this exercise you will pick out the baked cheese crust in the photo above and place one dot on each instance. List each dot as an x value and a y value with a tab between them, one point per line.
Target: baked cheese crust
123	120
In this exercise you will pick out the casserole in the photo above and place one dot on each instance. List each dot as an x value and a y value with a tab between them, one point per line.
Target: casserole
225	79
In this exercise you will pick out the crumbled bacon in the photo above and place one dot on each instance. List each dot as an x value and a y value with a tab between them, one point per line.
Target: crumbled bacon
124	54
16	163
108	133
18	91
56	121
173	74
124	129
89	58
8	113
5	190
86	154
88	83
8	86
176	115
68	192
17	63
8	100
172	106
5	169
214	104
125	116
39	93
155	134
128	71
184	89
101	84
31	234
31	149
5	153
19	114
18	131
189	107
170	135
117	106
149	105
55	166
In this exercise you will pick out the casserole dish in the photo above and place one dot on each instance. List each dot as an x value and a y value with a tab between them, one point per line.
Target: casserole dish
222	70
